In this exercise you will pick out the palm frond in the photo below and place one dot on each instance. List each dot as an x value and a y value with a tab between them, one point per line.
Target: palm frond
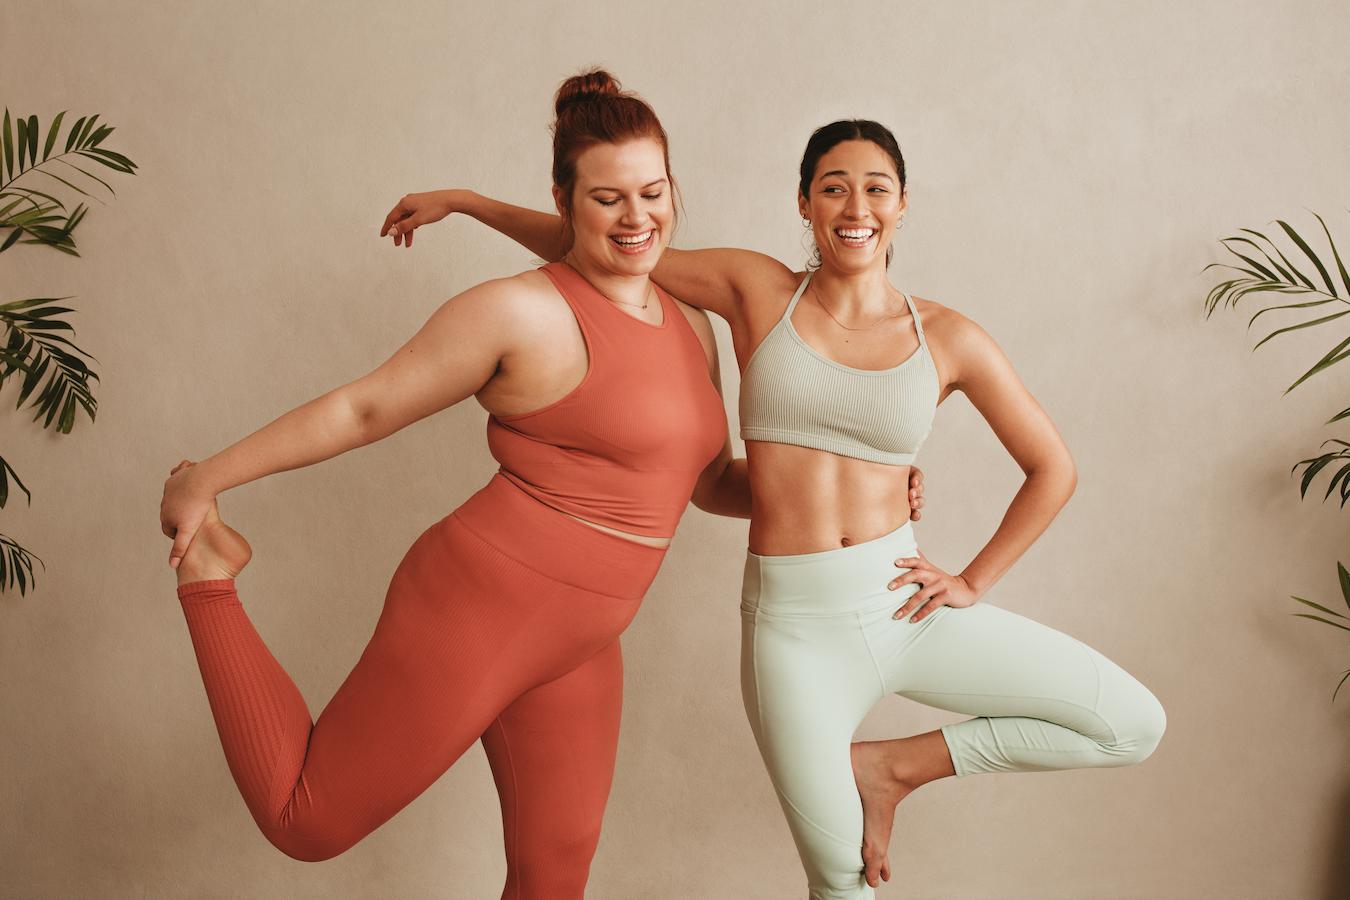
1266	269
6	472
34	347
1340	479
16	565
20	143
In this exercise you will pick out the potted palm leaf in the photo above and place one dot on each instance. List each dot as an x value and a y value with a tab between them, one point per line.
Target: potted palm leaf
56	379
1263	268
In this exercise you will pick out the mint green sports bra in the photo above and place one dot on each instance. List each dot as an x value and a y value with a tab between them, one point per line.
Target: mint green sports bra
793	394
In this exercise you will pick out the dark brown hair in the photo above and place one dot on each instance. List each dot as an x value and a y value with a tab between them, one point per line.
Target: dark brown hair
591	109
826	137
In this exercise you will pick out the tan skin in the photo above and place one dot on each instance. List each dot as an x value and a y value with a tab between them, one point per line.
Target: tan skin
855	186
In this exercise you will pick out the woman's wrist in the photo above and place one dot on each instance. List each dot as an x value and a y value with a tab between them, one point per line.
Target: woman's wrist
458	200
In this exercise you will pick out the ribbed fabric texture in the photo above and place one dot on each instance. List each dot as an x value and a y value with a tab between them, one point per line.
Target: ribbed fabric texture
626	446
792	394
515	641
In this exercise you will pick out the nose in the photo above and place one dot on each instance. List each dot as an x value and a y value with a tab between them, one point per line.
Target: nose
633	215
856	208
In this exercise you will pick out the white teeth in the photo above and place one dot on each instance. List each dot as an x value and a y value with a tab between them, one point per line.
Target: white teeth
632	240
856	234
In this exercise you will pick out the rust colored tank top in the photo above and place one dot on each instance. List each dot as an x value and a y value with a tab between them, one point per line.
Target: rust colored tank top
624	448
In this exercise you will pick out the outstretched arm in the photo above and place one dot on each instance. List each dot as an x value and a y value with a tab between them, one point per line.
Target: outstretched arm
453	355
717	280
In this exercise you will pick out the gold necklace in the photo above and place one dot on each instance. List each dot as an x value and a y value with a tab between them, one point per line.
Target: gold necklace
646	298
816	294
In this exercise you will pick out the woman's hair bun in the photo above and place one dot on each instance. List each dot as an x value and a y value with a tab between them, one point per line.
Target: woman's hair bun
589	85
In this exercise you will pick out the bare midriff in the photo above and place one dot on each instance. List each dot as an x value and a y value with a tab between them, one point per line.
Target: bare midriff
806	500
642	539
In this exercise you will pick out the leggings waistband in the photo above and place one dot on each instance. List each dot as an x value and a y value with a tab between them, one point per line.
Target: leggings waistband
829	582
556	545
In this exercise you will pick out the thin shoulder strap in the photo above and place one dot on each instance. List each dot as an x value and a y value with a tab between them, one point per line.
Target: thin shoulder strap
918	323
801	289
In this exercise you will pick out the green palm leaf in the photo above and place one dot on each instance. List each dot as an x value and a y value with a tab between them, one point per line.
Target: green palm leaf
1307	251
1338	686
16	565
1340	266
1307	324
7	472
1318	606
1320	619
34	347
9	147
1286	272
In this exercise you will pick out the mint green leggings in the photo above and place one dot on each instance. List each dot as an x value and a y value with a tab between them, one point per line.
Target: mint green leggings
819	648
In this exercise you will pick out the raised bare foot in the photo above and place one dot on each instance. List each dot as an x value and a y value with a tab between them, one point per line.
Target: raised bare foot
881	790
217	551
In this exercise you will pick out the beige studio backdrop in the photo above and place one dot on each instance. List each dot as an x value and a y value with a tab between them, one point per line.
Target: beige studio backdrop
1072	166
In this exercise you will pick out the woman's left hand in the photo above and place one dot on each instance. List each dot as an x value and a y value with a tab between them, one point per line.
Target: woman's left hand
936	588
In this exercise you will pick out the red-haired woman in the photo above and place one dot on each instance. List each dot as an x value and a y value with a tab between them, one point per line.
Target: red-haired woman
502	621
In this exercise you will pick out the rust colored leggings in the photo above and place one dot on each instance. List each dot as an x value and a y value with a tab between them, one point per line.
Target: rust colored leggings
501	624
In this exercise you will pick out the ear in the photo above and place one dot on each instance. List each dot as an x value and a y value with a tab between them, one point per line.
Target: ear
803	207
904	200
559	201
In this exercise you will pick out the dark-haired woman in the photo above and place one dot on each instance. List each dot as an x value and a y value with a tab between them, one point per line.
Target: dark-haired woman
502	621
841	375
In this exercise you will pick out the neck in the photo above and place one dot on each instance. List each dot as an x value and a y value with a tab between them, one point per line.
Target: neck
632	289
864	293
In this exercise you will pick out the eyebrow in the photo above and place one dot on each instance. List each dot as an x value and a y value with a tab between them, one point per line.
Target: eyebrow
620	190
867	174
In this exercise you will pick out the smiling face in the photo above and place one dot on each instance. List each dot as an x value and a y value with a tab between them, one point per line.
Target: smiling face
621	211
855	202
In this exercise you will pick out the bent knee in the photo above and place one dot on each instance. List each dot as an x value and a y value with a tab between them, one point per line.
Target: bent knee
311	847
1141	732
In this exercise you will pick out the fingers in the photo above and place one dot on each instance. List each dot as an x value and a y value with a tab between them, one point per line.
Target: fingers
180	544
886	869
398	212
927	595
928	609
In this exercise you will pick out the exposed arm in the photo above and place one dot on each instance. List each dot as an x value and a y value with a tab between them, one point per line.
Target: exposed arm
448	359
987	378
454	354
538	232
717	280
723	488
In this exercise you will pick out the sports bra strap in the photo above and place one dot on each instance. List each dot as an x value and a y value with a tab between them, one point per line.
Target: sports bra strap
801	289
918	324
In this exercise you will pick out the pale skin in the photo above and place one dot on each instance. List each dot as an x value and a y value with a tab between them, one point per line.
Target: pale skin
512	343
805	500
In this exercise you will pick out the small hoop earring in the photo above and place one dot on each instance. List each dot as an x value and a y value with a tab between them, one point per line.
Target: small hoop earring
806	223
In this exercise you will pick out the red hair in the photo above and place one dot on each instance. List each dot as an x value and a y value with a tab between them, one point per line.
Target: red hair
591	109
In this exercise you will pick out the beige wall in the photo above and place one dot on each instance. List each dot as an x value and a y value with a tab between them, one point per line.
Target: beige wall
1071	167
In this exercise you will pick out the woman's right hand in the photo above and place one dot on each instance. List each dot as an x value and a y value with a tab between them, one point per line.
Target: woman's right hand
183	508
414	210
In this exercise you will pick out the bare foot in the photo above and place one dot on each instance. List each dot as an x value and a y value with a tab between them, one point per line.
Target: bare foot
217	551
881	790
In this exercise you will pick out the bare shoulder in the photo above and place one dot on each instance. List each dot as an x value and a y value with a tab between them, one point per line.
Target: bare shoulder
764	279
702	326
951	330
966	354
523	303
